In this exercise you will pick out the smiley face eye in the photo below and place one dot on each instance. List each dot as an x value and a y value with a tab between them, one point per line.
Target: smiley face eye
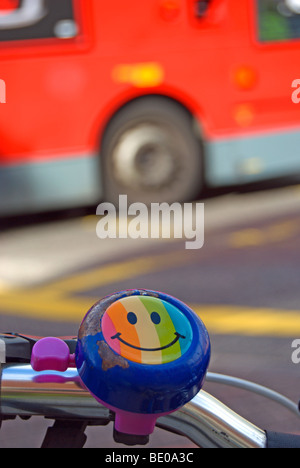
132	318
155	317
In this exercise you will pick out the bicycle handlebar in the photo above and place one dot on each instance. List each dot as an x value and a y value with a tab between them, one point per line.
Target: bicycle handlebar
60	396
56	395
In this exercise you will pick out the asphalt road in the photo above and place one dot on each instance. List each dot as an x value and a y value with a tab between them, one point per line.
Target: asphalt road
244	283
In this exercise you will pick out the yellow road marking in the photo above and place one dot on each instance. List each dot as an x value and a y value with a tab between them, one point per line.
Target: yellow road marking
58	300
46	304
249	321
268	235
247	238
107	274
4	287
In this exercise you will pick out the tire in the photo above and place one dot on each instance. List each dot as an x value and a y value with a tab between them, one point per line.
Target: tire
151	154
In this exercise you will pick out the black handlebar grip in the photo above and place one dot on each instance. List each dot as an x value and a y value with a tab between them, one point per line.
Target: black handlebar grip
281	440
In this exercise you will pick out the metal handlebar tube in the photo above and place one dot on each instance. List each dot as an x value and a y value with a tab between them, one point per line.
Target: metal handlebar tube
62	396
57	395
210	424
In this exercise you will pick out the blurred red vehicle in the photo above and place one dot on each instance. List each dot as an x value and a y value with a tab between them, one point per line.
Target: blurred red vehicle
152	99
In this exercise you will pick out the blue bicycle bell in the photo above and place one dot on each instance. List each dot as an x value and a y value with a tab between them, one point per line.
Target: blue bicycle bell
142	354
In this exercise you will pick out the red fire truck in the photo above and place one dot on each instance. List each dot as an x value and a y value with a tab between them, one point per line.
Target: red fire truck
153	99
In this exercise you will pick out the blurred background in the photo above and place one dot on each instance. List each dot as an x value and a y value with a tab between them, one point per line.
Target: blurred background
172	101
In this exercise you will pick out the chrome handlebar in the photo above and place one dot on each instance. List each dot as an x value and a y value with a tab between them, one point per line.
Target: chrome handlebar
61	396
204	420
210	424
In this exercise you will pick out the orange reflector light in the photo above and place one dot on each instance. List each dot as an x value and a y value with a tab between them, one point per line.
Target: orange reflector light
245	77
139	75
244	115
169	9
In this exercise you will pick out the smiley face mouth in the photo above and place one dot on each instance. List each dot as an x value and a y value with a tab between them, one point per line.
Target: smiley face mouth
177	336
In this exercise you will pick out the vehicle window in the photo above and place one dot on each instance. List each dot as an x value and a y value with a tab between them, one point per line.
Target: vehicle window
278	20
36	19
201	7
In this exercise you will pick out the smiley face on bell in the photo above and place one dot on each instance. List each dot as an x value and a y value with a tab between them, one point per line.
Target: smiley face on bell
146	330
142	351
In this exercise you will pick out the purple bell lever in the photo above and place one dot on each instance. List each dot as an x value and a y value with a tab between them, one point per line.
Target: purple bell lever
51	354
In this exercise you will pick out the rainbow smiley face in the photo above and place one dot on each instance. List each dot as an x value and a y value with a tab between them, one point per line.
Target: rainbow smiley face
146	330
143	353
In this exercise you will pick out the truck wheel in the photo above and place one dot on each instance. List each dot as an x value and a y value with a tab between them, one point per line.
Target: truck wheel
151	154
